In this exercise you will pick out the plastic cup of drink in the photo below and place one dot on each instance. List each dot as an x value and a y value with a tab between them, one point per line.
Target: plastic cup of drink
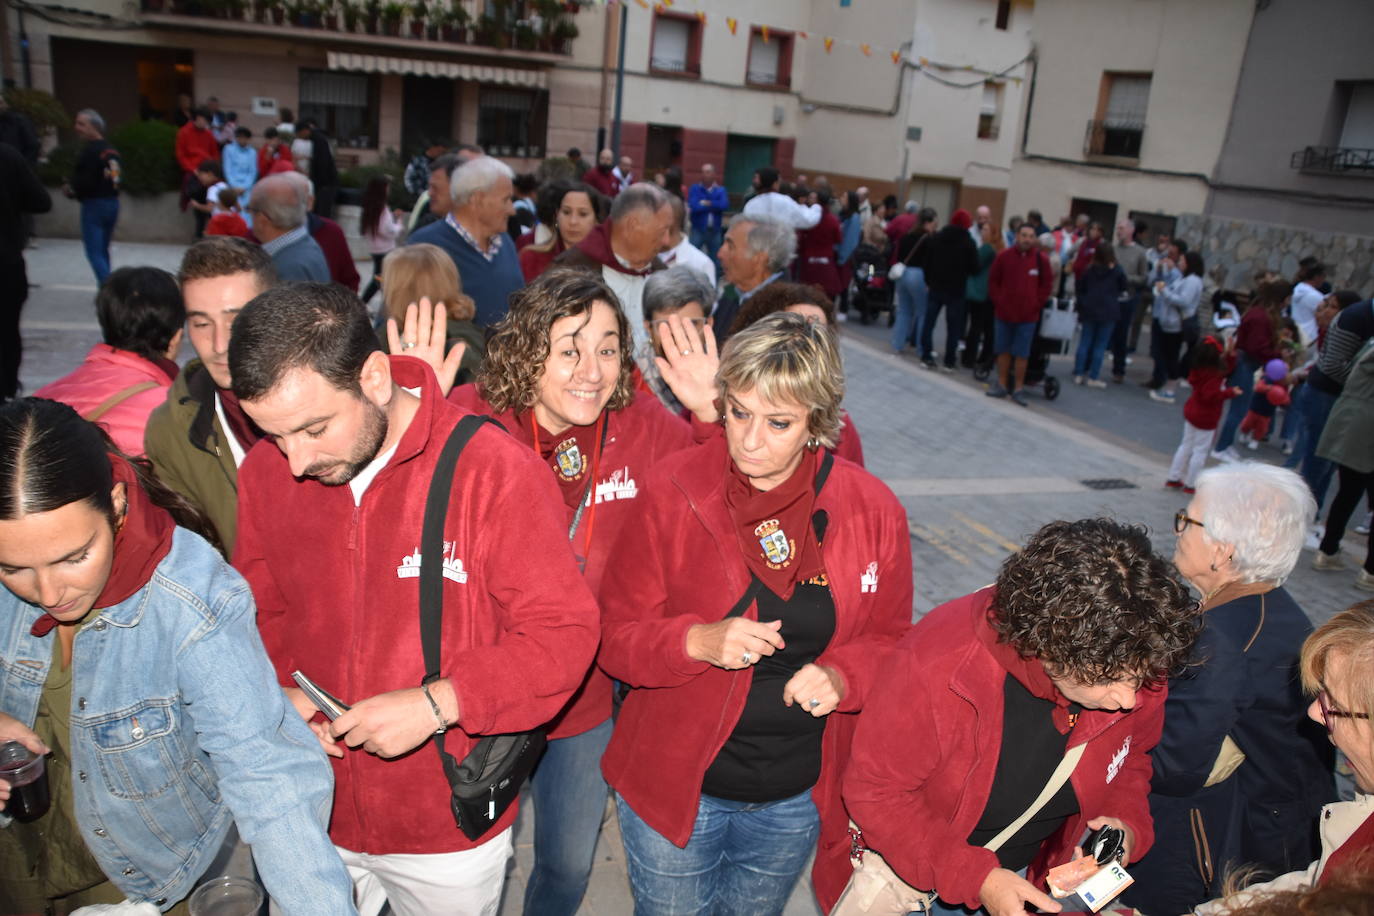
229	895
28	778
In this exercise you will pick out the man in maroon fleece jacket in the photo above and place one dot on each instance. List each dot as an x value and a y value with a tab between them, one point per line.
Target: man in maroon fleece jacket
1019	283
330	512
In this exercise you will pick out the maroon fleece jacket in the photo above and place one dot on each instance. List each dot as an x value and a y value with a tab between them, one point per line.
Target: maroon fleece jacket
637	438
678	563
337	590
927	747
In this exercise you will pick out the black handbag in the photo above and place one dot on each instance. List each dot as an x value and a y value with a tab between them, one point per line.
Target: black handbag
488	779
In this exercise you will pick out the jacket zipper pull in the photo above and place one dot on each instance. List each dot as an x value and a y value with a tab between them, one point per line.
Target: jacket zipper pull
491	805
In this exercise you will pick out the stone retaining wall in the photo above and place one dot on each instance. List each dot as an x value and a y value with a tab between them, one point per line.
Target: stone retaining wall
1236	249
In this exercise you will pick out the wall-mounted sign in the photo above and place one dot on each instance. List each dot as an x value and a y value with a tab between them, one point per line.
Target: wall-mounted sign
264	106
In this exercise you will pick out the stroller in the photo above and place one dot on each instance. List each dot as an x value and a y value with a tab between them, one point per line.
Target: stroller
1054	333
869	291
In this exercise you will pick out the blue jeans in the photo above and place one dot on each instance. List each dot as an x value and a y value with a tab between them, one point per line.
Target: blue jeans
708	240
98	218
1313	408
954	324
1092	345
741	859
569	799
1243	377
911	307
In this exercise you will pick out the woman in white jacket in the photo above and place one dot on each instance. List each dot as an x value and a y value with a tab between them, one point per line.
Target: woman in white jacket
1176	300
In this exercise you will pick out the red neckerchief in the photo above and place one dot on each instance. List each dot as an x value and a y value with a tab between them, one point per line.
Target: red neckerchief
139	545
573	455
1357	852
169	368
240	426
774	526
597	246
1030	673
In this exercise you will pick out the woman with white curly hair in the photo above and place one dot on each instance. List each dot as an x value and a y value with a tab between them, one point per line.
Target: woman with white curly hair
1239	772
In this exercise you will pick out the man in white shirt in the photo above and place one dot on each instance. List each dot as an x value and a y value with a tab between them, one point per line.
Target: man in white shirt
625	171
1306	299
769	204
682	251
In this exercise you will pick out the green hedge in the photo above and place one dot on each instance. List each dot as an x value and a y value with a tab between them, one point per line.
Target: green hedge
58	165
147	153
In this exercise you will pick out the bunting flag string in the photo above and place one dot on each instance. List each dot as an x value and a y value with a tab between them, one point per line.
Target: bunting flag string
898	55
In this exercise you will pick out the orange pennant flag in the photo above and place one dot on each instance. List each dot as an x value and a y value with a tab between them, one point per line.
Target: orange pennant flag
896	57
764	30
803	35
667	2
867	49
643	3
829	43
732	23
701	16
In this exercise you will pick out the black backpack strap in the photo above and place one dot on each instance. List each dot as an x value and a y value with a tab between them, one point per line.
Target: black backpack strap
819	522
432	540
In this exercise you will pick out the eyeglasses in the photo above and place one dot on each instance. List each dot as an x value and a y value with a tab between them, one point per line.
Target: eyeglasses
1329	712
1182	521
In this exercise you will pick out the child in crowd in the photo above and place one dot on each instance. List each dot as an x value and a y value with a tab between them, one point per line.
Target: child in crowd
227	220
205	195
1271	393
1213	362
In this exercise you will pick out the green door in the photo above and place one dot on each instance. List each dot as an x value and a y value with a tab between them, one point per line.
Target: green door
743	157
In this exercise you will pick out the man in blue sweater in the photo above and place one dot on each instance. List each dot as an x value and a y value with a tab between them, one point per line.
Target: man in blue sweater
706	203
474	235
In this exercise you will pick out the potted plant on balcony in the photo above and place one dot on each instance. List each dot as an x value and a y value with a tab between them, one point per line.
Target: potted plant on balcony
372	16
352	15
391	18
329	15
564	31
454	24
525	38
437	17
486	32
419	9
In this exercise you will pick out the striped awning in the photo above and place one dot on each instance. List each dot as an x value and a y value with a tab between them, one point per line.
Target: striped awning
480	73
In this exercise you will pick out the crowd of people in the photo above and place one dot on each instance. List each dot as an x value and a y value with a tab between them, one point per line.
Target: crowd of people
663	563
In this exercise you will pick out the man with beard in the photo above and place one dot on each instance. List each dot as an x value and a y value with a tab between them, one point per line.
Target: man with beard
330	517
603	177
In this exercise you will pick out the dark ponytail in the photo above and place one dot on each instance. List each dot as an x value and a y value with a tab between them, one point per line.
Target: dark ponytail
50	457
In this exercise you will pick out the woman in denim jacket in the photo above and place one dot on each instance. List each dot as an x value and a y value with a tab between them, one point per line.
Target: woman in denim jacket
164	728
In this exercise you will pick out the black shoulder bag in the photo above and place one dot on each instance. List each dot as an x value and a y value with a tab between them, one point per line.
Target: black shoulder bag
489	778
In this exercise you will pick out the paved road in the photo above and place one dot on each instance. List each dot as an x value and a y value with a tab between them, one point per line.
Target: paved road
976	476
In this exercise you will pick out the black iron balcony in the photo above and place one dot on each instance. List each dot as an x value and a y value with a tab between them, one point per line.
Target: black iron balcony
1114	138
1335	159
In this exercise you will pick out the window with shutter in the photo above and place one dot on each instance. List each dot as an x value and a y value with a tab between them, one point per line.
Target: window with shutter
770	61
990	114
672	45
345	105
1119	129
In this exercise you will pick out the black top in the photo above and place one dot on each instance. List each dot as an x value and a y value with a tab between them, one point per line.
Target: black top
323	171
97	171
20	192
949	259
775	750
1031	750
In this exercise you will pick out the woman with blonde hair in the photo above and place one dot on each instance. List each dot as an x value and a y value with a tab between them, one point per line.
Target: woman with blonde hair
1336	661
758	585
424	271
558	376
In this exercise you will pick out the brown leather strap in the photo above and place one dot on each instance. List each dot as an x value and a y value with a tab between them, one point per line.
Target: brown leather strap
119	397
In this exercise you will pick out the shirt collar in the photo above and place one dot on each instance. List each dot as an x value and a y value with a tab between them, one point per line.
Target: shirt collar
281	241
489	253
743	297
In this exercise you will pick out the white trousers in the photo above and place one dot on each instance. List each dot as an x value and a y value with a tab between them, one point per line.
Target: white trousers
466	883
1191	456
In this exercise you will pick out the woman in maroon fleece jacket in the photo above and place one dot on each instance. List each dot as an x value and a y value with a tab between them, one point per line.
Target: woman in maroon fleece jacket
757	588
558	377
987	693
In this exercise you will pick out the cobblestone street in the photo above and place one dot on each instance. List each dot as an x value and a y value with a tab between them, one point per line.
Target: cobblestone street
976	476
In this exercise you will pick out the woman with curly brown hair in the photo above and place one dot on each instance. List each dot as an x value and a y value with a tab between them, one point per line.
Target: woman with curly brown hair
985	705
755	592
558	377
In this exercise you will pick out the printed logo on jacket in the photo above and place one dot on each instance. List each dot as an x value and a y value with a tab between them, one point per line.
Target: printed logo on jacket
1118	759
777	549
569	457
453	567
868	581
620	485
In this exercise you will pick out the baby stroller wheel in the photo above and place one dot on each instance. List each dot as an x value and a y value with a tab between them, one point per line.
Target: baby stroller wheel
981	372
1051	388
